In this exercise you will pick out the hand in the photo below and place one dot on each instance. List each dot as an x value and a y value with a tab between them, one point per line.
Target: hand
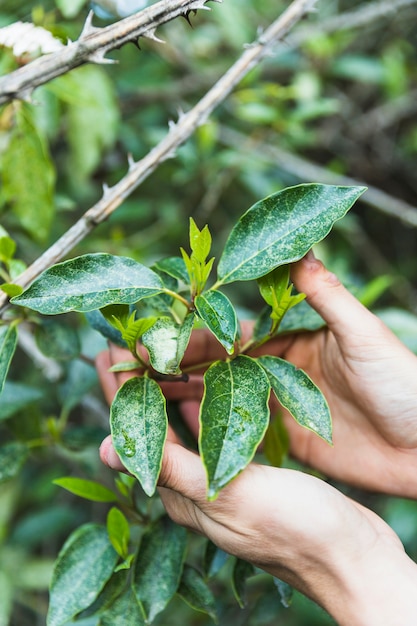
299	529
370	381
367	375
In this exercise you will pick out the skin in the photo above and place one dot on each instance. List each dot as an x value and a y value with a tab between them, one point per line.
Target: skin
326	545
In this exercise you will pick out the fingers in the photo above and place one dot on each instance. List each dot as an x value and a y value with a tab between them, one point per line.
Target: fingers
343	313
108	380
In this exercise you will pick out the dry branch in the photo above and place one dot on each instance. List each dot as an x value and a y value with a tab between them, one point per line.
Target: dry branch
177	135
93	45
308	171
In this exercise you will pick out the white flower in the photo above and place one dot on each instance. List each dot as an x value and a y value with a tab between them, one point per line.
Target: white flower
25	38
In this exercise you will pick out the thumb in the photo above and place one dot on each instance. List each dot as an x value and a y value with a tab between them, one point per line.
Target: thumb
342	312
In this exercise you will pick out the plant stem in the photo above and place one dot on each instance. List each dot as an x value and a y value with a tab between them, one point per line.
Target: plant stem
180	298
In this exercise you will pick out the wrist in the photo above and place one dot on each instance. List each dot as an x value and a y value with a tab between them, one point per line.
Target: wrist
376	588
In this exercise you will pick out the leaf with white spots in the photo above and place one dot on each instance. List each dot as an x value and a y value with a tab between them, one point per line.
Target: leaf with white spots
216	310
159	566
166	342
90	282
83	567
234	417
282	228
139	425
299	395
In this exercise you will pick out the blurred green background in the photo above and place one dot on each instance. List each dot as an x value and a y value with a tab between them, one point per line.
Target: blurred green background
338	95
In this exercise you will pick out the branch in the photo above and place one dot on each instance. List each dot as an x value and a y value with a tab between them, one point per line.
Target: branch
305	170
93	45
350	19
177	135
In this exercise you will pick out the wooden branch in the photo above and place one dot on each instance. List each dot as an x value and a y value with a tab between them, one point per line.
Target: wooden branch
179	132
307	171
93	45
357	18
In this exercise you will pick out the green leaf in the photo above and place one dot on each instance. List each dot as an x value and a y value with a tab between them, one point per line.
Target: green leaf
8	342
119	531
285	592
233	418
89	282
29	176
241	572
16	397
276	441
159	565
132	329
166	342
70	8
299	395
11	289
12	458
125	366
125	611
139	425
92	117
88	489
83	567
301	317
97	321
281	228
200	242
195	592
213	560
57	341
7	249
175	267
218	313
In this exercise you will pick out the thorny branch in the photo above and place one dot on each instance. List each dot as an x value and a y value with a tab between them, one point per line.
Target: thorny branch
179	132
93	45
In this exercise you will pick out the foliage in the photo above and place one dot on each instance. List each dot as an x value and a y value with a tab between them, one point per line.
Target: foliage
340	98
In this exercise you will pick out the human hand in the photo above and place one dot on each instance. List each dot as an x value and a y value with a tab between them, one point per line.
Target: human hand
367	375
299	529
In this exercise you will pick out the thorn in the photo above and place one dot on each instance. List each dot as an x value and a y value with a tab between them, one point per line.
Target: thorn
106	190
88	28
136	43
171	125
131	161
99	57
186	16
199	4
181	114
170	155
26	96
150	34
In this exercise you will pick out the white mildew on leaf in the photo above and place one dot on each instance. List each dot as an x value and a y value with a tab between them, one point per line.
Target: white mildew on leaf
83	567
216	310
125	610
234	416
166	342
299	395
89	282
282	228
158	566
194	590
139	424
12	457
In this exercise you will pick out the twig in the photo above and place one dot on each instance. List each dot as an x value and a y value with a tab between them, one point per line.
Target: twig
177	135
93	45
305	170
349	20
